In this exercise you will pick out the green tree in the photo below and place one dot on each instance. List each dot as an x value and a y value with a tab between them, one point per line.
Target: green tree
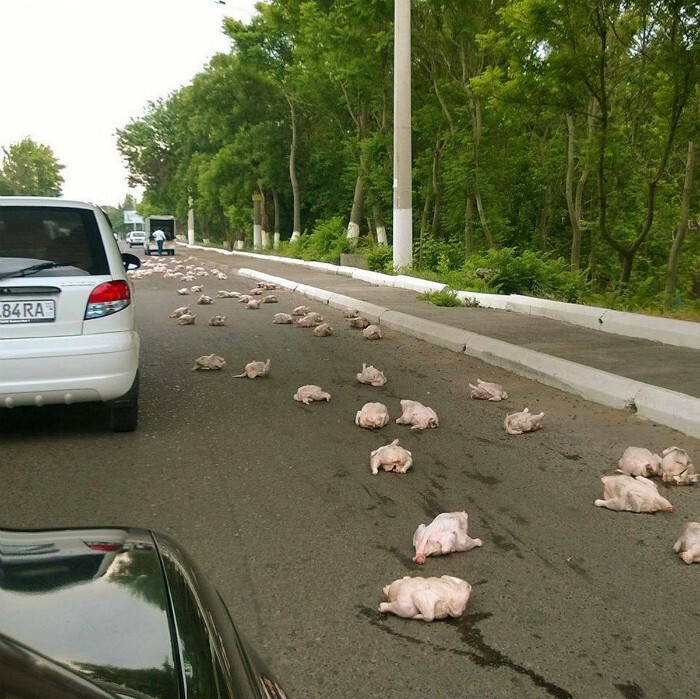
30	169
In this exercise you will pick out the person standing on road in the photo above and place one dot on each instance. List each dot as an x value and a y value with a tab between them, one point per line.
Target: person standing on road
159	237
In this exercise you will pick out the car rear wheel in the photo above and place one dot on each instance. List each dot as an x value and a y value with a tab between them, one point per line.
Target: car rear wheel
124	419
124	411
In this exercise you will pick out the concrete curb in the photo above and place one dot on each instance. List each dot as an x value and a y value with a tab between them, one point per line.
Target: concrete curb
435	333
676	410
668	331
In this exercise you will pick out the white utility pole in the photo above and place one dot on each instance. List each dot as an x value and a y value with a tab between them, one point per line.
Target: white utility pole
403	198
190	221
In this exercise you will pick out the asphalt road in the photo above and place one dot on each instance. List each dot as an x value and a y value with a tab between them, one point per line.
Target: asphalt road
277	503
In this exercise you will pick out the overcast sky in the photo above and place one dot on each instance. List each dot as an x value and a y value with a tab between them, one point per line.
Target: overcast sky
73	71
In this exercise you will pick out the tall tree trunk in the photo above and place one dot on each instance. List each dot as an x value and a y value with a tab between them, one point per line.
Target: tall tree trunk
423	228
379	220
682	226
276	203
476	138
358	205
296	230
574	199
437	189
543	218
227	234
468	227
358	200
265	221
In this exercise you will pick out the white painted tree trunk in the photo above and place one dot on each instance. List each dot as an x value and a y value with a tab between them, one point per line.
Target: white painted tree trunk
353	231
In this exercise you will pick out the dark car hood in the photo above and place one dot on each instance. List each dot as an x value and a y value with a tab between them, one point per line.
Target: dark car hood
92	599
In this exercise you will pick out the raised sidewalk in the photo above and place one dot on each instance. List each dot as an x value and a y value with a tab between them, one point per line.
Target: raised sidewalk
661	382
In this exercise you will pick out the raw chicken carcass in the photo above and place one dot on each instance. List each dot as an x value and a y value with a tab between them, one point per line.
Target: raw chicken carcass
244	298
447	533
372	332
676	467
205	300
418	415
306	394
391	457
228	295
183	292
309	321
253	305
484	390
632	494
517	423
282	318
350	313
209	362
256	292
323	330
217	320
359	322
638	461
196	289
426	598
688	544
255	369
186	319
270	299
180	311
301	311
371	376
372	416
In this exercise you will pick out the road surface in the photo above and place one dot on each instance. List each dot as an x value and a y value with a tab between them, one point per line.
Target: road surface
277	503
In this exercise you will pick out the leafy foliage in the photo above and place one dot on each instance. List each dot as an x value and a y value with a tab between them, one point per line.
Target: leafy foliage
30	169
549	137
508	271
380	259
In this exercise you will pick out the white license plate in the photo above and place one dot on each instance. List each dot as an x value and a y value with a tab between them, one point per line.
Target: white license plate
27	312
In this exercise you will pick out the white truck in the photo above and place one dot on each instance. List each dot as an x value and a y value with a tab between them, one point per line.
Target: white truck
167	225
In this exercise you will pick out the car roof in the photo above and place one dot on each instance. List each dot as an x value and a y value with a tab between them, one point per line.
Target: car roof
47	201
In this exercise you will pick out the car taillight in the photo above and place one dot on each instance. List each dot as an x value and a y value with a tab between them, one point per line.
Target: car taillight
108	298
103	546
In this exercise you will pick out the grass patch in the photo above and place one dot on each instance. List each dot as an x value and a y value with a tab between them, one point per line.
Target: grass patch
441	298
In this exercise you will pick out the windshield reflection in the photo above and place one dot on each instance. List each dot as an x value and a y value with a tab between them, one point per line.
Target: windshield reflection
94	600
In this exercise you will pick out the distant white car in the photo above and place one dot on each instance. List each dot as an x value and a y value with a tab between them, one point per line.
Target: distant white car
67	329
135	238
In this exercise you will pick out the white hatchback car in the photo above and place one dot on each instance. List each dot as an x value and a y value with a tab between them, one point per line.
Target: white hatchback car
67	327
135	238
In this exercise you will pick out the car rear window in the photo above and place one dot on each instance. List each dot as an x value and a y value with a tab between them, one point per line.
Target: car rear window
65	236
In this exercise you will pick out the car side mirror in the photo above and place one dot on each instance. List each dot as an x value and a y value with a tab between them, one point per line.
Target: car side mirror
130	261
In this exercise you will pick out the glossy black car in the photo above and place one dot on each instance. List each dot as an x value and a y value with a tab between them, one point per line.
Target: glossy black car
100	613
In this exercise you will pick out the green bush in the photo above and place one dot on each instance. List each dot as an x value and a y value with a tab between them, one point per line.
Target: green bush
433	253
379	259
326	242
508	271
